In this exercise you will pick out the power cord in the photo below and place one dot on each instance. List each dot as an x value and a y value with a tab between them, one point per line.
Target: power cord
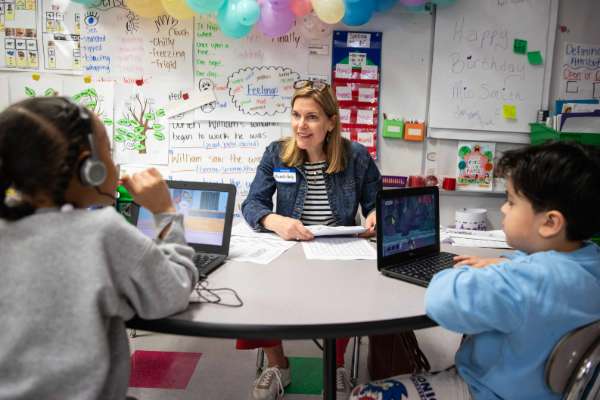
214	295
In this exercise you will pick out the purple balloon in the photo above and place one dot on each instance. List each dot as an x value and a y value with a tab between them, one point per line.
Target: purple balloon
273	22
279	5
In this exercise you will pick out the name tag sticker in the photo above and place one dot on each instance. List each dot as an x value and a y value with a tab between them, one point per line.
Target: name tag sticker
284	175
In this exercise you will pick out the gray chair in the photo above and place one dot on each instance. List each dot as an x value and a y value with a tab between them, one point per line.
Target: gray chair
574	365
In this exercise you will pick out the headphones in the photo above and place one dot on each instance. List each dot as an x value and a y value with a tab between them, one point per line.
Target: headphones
92	171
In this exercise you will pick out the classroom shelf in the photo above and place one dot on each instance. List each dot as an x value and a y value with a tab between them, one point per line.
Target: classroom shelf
471	193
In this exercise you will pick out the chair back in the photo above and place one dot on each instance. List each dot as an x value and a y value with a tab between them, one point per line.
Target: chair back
573	366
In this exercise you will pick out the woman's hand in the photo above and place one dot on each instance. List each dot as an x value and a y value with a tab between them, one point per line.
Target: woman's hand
370	224
477	262
149	190
287	228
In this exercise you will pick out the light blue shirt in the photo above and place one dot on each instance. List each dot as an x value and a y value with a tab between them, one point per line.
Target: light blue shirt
514	314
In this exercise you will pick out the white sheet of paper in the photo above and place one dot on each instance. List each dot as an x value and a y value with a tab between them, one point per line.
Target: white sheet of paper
244	230
256	249
324	230
339	248
482	243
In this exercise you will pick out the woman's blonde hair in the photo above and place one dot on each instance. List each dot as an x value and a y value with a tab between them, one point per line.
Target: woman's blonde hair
333	146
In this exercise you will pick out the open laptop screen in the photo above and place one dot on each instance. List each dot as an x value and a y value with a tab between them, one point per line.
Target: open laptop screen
408	223
204	215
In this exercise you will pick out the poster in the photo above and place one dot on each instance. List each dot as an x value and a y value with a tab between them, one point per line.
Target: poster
475	166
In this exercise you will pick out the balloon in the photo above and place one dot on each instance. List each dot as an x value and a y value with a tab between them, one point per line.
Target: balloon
178	9
300	8
443	3
278	5
145	8
227	17
412	3
329	11
248	12
358	12
384	5
205	6
275	22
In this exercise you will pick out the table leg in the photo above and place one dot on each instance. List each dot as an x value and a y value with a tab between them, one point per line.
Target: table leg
329	367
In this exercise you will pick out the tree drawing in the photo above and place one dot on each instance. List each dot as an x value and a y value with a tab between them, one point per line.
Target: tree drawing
89	98
139	121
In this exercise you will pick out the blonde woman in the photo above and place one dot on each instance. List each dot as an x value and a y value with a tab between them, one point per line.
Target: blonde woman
319	178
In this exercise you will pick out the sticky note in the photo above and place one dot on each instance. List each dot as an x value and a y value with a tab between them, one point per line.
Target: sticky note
35	76
535	57
520	46
87	79
509	111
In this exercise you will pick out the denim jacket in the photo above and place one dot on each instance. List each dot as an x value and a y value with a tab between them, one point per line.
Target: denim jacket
357	184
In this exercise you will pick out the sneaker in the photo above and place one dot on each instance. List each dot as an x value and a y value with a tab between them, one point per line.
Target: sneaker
270	384
342	383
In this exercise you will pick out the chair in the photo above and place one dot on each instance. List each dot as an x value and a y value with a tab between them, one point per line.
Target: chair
574	364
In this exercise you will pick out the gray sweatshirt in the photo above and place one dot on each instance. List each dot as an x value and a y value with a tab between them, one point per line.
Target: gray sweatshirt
68	281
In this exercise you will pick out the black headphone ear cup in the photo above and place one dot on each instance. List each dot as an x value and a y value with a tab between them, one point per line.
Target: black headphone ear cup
92	172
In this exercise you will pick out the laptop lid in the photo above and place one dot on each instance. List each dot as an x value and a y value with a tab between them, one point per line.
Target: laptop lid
408	223
208	214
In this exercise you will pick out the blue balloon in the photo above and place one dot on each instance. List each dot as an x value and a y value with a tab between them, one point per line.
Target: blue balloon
227	17
205	6
248	12
384	5
358	12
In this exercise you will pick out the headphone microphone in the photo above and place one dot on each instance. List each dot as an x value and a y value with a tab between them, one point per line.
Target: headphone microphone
92	171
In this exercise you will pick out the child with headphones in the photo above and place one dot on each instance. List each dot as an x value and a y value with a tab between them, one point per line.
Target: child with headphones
72	277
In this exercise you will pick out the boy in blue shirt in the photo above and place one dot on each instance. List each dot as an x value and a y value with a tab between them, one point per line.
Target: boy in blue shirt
515	309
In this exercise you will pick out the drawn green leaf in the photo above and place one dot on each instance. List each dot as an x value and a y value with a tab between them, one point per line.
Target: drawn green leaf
160	113
140	147
138	129
140	138
92	92
29	92
77	97
130	136
107	121
92	105
50	92
122	131
123	122
149	116
119	138
158	127
158	135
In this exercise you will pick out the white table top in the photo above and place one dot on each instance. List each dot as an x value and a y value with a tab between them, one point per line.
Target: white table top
295	298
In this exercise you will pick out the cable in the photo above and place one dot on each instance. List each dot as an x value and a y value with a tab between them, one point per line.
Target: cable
211	296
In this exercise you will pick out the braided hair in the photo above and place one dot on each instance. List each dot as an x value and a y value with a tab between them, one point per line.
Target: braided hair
40	143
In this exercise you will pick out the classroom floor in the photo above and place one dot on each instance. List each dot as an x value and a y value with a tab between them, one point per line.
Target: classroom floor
168	367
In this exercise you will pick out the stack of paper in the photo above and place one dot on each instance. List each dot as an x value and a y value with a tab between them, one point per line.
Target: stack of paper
471	238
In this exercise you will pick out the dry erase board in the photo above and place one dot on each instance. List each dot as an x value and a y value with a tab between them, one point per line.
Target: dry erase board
478	81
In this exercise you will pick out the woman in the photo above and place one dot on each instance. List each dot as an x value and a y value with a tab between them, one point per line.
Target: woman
320	178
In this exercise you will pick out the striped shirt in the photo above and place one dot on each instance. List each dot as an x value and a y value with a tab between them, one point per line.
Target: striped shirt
316	204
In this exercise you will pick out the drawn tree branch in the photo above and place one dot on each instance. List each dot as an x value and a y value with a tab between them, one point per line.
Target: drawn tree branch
137	123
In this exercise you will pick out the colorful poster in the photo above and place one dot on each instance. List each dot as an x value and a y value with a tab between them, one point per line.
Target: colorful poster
23	86
98	97
115	40
580	75
475	166
61	33
19	41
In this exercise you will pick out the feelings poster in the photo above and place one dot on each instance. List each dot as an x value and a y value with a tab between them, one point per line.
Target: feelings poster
475	166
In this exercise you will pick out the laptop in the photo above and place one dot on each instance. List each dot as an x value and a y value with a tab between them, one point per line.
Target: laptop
408	234
208	216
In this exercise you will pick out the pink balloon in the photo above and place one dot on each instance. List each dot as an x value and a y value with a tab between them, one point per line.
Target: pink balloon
300	8
275	23
411	3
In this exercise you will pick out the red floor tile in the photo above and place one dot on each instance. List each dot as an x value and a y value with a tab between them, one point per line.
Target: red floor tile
162	369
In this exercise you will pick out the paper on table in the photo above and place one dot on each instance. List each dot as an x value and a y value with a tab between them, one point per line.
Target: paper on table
324	230
256	249
339	248
477	242
243	229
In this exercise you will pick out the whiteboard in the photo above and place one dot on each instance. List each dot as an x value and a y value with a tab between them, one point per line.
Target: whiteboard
476	73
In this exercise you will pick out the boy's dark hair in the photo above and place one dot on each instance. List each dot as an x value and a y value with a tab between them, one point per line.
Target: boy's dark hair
563	176
40	142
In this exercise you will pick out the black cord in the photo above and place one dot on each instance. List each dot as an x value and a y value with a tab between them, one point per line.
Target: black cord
211	296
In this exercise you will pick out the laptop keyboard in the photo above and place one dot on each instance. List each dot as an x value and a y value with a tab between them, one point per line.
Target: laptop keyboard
204	261
421	271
